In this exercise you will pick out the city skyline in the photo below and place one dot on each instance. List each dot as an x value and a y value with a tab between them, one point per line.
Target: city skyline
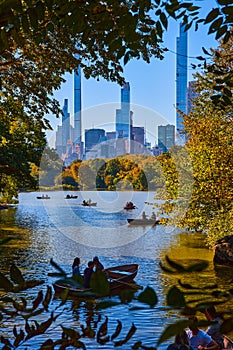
153	85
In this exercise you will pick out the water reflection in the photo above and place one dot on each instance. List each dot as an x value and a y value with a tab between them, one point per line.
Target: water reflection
59	231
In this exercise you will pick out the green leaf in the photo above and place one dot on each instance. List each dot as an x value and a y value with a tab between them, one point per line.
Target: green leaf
6	342
16	274
148	296
227	326
126	57
225	2
159	29
220	32
212	15
47	298
99	283
6	284
163	20
106	304
173	330
57	267
27	285
205	51
126	295
215	26
36	302
71	332
175	297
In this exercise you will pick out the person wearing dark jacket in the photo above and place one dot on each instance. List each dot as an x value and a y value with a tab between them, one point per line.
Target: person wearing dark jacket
87	274
97	264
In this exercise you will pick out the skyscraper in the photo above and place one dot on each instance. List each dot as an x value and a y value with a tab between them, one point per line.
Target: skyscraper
77	109
123	117
181	75
166	137
123	114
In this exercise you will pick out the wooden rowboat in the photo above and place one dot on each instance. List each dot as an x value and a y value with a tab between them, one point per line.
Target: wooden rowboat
129	206
143	222
68	196
147	222
123	273
89	204
43	197
119	278
227	342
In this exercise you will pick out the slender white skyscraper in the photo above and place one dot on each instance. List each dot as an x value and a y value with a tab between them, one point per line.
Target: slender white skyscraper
77	109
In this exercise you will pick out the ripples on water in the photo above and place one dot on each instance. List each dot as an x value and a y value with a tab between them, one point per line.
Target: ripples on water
61	230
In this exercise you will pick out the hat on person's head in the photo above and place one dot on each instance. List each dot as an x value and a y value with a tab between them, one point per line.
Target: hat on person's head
95	258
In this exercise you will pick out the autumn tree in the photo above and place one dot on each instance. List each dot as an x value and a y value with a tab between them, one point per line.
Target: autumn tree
40	40
209	127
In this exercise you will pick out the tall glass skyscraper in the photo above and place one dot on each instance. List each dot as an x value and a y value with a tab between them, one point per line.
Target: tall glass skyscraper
181	75
77	108
123	114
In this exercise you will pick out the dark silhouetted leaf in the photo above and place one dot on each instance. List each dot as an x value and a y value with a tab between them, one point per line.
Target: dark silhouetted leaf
5	283
225	2
36	302
148	296
117	330
127	338
16	274
99	283
212	15
175	297
71	332
47	298
226	326
106	304
57	267
173	330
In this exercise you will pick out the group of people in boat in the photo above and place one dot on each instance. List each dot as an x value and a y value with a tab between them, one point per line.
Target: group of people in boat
70	196
44	197
195	338
87	203
92	265
130	205
152	217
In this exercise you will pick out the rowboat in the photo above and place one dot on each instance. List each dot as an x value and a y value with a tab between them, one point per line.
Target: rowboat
227	343
147	222
89	204
43	197
129	206
68	196
122	273
119	278
143	222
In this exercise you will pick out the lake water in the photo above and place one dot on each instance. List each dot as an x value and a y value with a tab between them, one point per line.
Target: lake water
62	229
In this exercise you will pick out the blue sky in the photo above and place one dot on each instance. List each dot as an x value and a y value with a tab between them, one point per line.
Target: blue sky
153	89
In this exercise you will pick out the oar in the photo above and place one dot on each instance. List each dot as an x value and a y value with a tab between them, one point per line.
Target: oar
131	285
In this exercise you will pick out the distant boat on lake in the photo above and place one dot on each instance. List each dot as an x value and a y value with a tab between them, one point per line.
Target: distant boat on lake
89	203
70	196
43	197
145	222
